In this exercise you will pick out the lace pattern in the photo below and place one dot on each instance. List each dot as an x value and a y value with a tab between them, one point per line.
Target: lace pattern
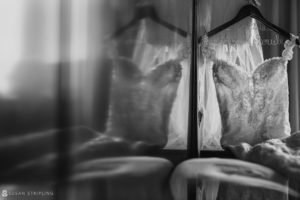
253	107
206	50
287	53
185	50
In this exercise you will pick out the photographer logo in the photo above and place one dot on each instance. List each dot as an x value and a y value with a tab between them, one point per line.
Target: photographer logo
4	193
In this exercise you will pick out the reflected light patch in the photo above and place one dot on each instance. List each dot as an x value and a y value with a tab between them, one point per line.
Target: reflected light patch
5	72
11	14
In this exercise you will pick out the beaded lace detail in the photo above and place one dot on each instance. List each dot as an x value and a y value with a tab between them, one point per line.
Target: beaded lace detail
185	50
287	53
253	107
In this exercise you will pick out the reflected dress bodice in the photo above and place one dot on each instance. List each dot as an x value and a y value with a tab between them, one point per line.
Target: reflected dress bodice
149	91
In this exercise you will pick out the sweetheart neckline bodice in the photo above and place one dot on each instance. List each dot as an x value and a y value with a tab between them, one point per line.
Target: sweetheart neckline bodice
239	68
253	105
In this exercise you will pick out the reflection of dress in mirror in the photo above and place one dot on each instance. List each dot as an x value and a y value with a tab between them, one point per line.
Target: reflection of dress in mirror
140	107
152	49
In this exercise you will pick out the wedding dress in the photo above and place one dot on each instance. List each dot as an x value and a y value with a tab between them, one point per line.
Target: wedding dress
241	44
251	96
254	106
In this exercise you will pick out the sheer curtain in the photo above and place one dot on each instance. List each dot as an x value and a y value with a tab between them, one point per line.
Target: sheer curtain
285	13
29	58
37	38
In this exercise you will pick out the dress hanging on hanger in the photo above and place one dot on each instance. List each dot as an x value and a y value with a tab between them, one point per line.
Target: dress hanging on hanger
234	39
241	45
253	106
148	55
156	110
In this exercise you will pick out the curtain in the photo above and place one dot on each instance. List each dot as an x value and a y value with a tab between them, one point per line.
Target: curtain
28	58
42	36
285	14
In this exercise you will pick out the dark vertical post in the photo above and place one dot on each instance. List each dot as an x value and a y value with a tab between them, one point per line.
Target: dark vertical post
193	128
63	103
193	98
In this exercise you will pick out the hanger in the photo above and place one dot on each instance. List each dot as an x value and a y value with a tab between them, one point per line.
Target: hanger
250	11
148	11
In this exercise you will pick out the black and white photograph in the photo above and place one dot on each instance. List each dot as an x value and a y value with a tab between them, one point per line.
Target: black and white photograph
149	100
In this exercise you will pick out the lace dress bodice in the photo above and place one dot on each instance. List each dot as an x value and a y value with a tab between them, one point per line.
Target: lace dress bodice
253	106
241	44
